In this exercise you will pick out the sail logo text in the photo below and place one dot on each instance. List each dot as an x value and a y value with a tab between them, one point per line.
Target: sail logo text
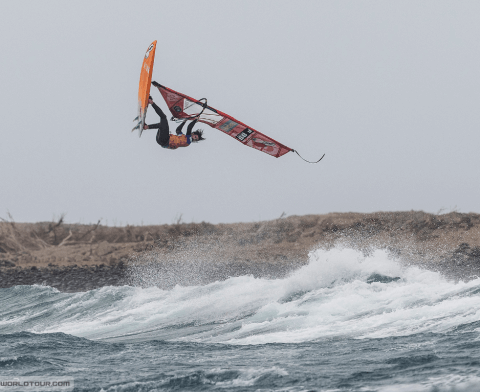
244	134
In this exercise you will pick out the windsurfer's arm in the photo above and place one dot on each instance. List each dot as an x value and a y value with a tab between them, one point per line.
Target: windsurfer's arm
179	128
190	127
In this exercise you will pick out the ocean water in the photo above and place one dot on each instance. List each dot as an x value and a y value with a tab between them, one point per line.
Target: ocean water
344	322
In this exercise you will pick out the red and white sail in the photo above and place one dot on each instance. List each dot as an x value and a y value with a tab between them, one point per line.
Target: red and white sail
183	107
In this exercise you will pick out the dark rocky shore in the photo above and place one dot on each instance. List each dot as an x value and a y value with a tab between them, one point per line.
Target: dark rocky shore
66	278
73	257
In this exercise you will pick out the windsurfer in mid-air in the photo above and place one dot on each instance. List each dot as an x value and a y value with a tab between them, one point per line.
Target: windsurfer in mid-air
172	142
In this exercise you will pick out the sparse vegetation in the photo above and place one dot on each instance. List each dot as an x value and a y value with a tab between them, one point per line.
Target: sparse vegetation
448	242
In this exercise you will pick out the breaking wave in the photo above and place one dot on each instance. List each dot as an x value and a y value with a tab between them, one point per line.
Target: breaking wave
340	293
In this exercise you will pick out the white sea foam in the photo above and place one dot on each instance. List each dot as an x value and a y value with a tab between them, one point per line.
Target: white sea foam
329	297
447	383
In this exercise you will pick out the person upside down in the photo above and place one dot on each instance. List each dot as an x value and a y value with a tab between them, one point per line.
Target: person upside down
172	142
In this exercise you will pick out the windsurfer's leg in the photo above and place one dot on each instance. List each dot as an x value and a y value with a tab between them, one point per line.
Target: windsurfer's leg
163	134
163	117
159	111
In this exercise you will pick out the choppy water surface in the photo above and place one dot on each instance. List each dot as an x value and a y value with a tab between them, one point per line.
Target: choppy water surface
344	322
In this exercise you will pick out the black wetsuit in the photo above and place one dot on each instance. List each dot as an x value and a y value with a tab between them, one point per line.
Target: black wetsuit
163	134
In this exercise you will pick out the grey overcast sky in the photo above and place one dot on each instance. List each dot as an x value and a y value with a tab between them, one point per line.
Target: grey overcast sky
389	90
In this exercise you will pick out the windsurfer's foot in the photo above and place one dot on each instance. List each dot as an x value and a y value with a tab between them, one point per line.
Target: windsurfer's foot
155	84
